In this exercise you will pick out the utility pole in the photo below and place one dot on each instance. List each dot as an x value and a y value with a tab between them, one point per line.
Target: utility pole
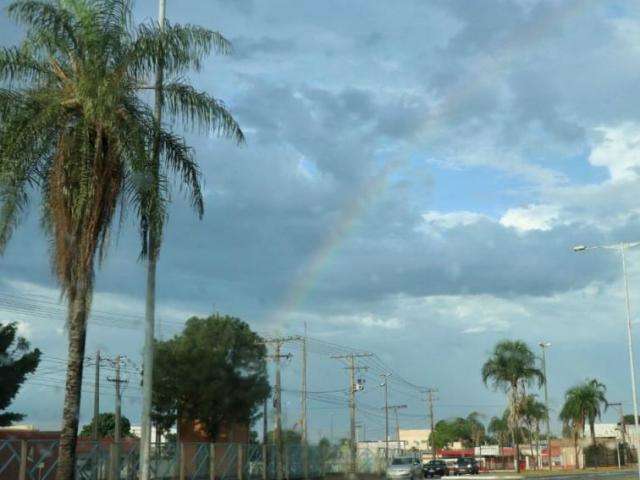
430	400
385	384
96	414
303	420
96	399
395	409
544	346
116	433
352	367
277	400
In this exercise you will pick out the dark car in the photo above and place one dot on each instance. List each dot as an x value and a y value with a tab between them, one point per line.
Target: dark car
467	466
435	468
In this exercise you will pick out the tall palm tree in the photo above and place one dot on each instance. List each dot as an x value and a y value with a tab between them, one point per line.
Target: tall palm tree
512	367
76	133
584	403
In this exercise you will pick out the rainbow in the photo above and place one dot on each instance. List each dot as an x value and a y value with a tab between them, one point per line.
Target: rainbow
304	282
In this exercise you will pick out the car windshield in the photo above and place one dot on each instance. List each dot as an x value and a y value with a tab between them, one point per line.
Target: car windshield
402	461
465	460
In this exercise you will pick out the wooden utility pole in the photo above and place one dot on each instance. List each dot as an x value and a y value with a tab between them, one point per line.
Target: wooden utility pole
96	399
96	413
352	367
277	400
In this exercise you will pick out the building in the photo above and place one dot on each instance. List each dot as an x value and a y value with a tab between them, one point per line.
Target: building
415	439
136	431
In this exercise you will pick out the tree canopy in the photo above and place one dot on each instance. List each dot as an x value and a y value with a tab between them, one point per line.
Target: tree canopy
470	431
17	361
107	426
213	372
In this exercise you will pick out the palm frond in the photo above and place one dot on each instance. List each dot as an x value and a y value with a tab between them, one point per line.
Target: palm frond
18	64
196	108
177	47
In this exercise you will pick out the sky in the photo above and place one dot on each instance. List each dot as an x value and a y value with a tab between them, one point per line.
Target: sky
414	178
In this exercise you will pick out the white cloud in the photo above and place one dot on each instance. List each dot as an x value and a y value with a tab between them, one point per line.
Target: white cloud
447	220
532	217
618	151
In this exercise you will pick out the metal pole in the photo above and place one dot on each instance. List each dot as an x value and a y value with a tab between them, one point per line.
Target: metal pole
631	359
546	401
150	304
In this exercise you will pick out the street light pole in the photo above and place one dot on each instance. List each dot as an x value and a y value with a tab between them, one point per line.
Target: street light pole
622	248
544	346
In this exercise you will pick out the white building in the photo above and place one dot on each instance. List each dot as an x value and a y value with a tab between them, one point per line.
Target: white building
136	430
415	439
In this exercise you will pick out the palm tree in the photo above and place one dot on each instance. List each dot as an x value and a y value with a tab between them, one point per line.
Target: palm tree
75	126
573	419
512	367
533	412
584	403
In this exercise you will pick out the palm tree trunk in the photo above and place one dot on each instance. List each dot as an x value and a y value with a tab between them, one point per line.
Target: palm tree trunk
575	447
538	453
514	427
77	324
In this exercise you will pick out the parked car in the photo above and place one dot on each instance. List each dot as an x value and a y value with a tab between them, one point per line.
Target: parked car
435	468
404	468
468	466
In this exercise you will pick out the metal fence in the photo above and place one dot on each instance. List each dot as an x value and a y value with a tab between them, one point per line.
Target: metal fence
37	460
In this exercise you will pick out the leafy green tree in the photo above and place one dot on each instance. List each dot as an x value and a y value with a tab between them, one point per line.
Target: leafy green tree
469	431
213	372
107	426
499	428
75	125
477	429
289	437
533	412
16	362
511	367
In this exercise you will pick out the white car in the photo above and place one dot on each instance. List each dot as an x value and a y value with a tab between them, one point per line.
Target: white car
404	468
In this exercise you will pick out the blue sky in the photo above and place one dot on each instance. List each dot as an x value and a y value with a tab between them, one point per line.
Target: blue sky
413	176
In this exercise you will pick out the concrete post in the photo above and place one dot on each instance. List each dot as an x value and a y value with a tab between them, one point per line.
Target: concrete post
240	461
113	452
212	461
265	462
22	473
183	462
